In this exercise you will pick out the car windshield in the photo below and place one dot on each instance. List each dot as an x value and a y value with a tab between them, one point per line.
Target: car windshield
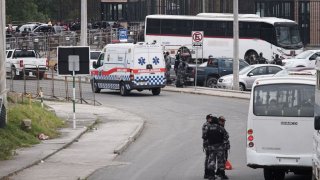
246	69
203	64
304	55
94	55
288	36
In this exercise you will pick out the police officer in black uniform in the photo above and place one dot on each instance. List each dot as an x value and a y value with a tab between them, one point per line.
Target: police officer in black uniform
205	145
216	136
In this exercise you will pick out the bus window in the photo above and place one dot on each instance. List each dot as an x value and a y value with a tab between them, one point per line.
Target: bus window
286	100
153	26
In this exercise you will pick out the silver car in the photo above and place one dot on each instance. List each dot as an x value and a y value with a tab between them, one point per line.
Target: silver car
248	75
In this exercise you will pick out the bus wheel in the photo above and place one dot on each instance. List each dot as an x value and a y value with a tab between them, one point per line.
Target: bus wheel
250	53
123	90
156	91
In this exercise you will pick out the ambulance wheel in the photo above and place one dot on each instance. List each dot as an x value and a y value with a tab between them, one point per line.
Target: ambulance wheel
95	87
156	92
123	90
271	174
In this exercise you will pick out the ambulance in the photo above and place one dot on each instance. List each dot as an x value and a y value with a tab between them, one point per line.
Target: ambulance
128	67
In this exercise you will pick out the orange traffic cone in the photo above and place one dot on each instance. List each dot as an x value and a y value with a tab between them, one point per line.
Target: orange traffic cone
228	165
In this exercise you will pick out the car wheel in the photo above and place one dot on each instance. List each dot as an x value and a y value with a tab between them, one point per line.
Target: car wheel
95	87
156	91
212	82
123	90
242	87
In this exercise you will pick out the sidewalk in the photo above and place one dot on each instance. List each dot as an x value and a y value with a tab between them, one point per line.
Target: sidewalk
71	157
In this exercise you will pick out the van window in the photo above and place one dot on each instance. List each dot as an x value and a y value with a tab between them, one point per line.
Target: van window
285	100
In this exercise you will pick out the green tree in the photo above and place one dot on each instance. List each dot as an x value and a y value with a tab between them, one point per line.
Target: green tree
23	11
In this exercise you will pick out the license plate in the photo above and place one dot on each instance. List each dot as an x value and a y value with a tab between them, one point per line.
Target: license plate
30	74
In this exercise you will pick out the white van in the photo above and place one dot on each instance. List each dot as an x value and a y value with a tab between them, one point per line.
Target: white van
128	66
280	123
316	136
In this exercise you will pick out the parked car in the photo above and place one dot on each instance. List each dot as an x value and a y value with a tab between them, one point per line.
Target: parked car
248	75
45	28
20	63
209	72
304	59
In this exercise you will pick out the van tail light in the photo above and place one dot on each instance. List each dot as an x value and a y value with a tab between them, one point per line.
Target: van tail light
131	75
250	138
21	63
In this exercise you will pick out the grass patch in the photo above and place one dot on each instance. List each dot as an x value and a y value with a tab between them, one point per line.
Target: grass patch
13	137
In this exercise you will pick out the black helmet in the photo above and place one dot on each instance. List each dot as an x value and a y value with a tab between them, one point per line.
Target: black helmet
209	116
215	120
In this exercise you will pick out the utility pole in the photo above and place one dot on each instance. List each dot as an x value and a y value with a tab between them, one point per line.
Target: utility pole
235	45
84	23
3	93
203	6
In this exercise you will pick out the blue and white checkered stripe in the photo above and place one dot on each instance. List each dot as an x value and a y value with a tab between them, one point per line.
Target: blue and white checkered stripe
108	86
113	77
149	80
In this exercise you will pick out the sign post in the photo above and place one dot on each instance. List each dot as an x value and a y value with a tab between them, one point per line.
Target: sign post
74	65
73	61
197	42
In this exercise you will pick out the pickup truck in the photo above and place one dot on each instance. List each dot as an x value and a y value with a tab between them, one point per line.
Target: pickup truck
209	72
20	63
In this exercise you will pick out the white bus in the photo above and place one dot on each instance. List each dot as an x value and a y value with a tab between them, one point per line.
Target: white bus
279	127
316	136
257	34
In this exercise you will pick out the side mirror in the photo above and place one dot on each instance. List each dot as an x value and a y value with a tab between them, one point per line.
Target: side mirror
317	123
94	64
250	74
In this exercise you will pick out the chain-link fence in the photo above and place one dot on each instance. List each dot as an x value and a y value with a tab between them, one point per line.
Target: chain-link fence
51	86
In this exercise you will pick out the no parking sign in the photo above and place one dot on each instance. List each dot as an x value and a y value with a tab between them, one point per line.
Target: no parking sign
197	38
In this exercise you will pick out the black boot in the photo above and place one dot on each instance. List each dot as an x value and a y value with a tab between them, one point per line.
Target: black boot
206	174
223	175
212	175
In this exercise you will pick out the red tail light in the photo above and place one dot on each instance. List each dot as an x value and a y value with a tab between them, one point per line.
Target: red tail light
131	75
21	63
250	138
250	131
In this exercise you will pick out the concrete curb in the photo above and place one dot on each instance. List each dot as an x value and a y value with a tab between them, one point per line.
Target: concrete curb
134	135
239	95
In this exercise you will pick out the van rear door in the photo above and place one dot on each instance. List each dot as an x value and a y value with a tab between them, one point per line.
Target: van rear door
283	119
149	65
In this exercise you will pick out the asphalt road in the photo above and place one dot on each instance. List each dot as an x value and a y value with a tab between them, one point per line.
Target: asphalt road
170	147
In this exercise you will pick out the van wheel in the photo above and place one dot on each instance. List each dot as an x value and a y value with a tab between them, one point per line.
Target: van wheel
156	91
95	87
212	82
270	174
123	90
